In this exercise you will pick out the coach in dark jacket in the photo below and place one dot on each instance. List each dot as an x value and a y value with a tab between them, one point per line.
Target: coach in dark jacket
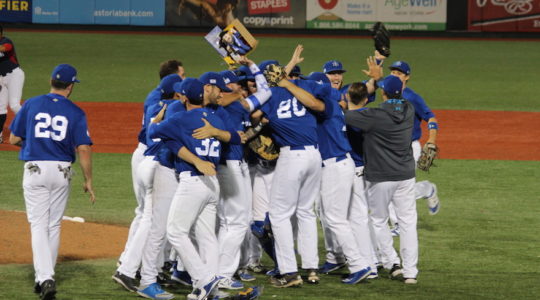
390	174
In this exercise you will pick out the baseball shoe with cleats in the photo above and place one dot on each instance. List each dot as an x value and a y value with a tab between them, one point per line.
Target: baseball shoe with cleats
410	281
154	291
182	277
164	280
127	282
273	272
433	201
230	284
396	272
208	288
244	275
395	230
48	290
373	275
357	277
256	268
37	288
313	276
287	280
329	267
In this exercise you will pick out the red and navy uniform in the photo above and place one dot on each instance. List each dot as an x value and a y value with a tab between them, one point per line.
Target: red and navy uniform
8	58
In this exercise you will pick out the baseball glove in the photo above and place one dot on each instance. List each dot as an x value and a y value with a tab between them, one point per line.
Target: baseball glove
429	152
381	37
264	147
274	74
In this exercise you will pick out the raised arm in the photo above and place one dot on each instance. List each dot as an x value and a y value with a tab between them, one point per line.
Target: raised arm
263	93
307	99
295	59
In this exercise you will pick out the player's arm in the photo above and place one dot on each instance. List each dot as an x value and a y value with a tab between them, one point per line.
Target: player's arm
159	117
263	93
433	128
227	99
15	140
307	99
85	160
205	167
295	59
227	136
6	47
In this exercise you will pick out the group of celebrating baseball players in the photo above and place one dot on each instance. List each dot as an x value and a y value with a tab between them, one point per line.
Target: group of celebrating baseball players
208	204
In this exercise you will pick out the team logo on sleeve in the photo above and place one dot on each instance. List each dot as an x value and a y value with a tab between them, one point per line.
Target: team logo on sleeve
88	133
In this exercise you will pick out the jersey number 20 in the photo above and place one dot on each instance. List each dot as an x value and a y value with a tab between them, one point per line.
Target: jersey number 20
284	110
54	128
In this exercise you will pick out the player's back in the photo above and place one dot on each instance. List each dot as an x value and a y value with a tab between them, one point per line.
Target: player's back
292	124
421	111
53	127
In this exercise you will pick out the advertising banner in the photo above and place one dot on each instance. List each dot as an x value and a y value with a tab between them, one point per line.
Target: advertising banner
118	12
16	11
504	15
362	14
251	13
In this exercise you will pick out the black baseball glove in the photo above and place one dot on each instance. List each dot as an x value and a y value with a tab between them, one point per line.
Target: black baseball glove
381	37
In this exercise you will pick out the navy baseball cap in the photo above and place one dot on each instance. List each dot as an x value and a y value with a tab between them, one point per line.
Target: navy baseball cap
229	77
266	63
216	79
320	77
192	88
244	73
333	66
66	73
391	85
166	85
401	66
296	71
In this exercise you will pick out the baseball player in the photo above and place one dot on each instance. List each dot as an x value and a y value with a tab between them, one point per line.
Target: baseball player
390	174
50	129
11	79
125	274
195	201
296	181
337	179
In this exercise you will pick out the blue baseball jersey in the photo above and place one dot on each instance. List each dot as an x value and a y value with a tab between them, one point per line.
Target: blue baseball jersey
164	155
331	128
227	120
292	124
356	139
51	127
239	117
152	98
173	106
421	111
179	128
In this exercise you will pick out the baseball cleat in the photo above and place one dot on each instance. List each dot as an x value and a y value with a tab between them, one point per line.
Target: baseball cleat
154	291
357	277
313	276
127	282
287	280
230	284
396	272
37	288
244	275
256	268
410	281
433	201
329	267
164	280
395	230
373	275
273	272
208	288
182	277
48	290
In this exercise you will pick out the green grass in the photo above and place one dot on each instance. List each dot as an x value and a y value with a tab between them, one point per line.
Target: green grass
450	74
482	245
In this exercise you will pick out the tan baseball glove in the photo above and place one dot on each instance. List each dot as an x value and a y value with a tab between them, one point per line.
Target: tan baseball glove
264	146
274	74
429	152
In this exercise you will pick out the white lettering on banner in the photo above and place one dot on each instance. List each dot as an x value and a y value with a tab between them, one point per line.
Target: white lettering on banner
261	4
265	21
123	13
397	4
40	12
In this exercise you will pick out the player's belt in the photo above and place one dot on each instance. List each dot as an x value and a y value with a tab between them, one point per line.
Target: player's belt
335	159
184	174
302	147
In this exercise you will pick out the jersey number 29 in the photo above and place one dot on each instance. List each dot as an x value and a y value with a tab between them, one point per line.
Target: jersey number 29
54	128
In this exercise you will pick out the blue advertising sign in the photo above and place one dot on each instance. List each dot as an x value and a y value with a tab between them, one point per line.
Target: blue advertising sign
112	12
148	13
77	11
12	11
46	11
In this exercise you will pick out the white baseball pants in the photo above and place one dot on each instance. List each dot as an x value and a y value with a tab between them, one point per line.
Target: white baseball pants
11	93
195	205
296	185
165	185
136	158
131	260
45	195
401	194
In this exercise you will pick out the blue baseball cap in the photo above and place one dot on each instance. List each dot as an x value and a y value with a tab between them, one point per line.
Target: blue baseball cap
166	85
216	79
192	88
401	66
229	77
333	66
320	77
65	73
177	87
296	71
266	63
391	85
244	73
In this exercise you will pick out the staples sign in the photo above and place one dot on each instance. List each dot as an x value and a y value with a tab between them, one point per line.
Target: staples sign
256	7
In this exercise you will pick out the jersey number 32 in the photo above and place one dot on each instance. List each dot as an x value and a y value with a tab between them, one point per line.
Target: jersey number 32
54	128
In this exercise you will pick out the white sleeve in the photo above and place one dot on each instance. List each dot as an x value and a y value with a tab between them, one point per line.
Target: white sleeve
263	93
